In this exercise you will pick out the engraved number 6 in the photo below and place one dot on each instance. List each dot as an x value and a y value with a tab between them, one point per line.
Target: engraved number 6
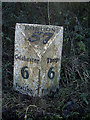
24	72
51	73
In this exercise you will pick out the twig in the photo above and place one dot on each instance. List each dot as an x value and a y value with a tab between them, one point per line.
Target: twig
27	110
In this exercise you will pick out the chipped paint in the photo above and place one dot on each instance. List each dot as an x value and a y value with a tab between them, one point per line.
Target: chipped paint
37	58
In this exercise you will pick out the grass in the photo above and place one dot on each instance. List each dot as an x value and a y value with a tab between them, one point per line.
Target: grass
62	105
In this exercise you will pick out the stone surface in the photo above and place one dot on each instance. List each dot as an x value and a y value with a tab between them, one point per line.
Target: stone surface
37	58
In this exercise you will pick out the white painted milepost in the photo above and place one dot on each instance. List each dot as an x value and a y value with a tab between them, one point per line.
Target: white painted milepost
37	58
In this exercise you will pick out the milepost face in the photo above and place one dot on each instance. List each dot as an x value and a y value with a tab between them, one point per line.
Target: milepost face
37	58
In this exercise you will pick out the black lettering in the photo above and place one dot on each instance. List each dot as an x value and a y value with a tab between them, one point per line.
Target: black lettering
16	56
50	60
19	57
16	84
32	27
21	87
23	58
47	60
24	72
27	59
51	73
47	29
42	28
30	59
36	28
53	60
56	60
53	29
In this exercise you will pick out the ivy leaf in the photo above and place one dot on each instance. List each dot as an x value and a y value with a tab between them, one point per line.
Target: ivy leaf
84	98
82	46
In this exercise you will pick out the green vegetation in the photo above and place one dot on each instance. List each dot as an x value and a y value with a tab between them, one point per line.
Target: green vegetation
72	99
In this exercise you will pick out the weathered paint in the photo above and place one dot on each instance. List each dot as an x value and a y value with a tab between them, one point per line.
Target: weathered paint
37	65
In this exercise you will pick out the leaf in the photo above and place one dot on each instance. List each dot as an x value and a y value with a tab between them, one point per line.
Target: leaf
82	46
69	103
58	117
56	95
25	117
85	100
75	113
